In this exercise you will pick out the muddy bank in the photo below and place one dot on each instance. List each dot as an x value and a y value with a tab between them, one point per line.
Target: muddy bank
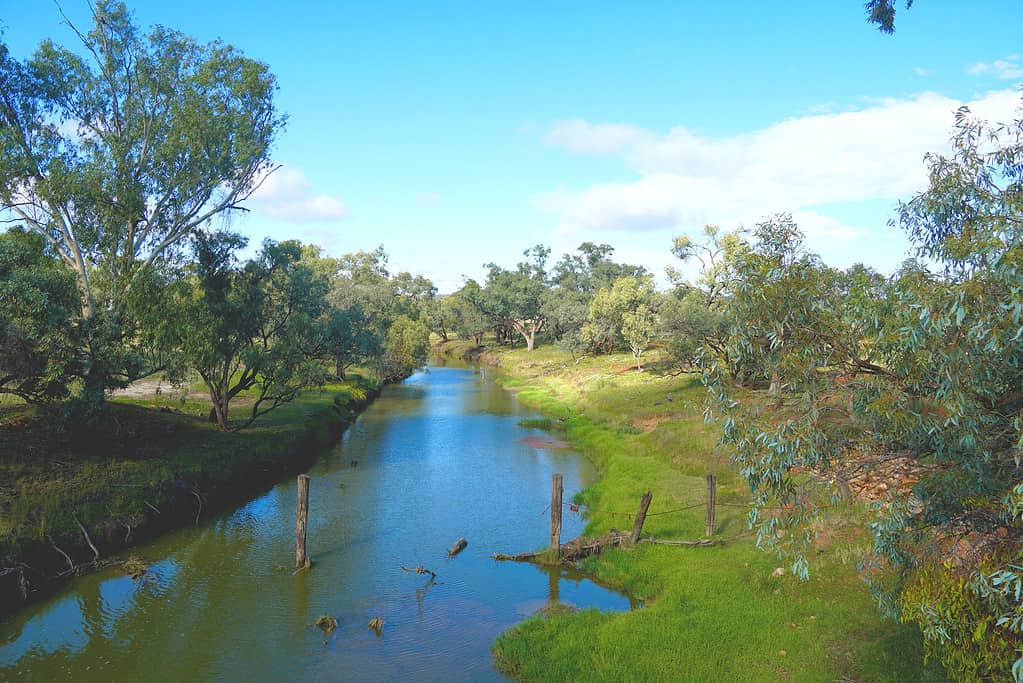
33	569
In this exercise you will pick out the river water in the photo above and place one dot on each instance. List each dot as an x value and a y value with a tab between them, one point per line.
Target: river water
438	457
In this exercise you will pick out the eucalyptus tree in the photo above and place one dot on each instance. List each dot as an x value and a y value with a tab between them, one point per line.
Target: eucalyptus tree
469	323
925	367
576	279
515	299
638	329
602	332
117	151
692	315
252	329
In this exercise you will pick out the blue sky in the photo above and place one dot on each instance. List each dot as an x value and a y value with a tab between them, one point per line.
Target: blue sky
459	133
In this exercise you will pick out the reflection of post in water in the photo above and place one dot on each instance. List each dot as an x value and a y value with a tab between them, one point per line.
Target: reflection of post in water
421	598
553	586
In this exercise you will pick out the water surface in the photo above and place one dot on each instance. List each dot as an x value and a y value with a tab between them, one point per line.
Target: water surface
436	458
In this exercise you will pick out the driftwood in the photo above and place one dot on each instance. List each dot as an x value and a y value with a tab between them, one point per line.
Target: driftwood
576	549
420	569
581	547
458	547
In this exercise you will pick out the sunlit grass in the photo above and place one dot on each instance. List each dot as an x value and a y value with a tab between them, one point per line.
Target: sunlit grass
711	613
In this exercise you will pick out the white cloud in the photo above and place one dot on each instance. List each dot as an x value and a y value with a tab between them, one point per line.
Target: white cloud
685	180
578	135
1008	68
922	72
287	195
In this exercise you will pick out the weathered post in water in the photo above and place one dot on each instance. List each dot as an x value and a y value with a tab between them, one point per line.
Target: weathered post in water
711	495
637	526
556	491
302	521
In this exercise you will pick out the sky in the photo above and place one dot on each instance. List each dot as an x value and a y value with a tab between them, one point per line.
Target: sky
460	133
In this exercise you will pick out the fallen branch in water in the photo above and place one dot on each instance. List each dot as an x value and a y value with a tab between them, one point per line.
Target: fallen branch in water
419	570
581	547
576	549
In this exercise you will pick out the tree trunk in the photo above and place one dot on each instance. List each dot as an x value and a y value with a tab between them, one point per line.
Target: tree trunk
218	412
776	390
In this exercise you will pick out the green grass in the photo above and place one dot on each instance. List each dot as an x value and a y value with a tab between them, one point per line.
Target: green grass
711	613
154	451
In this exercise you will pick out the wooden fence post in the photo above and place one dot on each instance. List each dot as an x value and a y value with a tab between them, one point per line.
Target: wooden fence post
556	490
637	526
302	521
711	496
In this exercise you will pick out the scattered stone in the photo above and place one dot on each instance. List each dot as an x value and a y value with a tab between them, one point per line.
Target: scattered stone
780	571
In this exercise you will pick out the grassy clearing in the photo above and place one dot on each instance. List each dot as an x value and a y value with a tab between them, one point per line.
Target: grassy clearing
712	613
160	456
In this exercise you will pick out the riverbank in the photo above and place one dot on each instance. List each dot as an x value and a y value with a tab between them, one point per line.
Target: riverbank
68	503
712	613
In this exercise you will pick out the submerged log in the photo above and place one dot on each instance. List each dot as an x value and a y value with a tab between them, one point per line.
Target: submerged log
458	547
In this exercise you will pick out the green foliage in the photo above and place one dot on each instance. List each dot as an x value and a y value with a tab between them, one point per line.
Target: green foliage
881	13
469	321
115	159
513	300
693	316
603	329
591	269
38	301
408	342
366	303
924	366
959	626
638	328
252	326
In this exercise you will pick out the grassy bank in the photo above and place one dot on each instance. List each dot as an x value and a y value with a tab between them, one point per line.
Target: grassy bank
712	613
158	464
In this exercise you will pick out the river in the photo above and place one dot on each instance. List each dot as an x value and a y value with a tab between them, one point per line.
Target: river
438	457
